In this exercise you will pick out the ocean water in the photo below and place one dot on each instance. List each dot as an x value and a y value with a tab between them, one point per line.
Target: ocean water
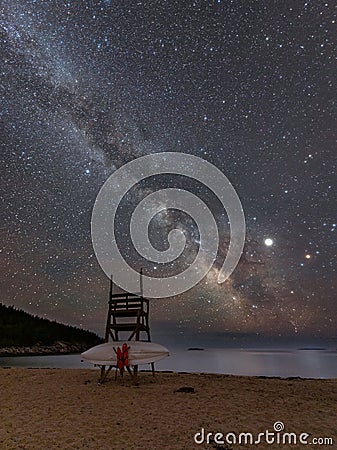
307	363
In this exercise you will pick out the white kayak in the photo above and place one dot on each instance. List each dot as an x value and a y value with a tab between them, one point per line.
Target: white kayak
139	352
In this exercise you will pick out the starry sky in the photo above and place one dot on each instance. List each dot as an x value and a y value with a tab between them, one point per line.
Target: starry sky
247	85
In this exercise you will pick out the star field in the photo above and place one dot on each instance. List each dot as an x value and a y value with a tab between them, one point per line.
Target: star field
248	86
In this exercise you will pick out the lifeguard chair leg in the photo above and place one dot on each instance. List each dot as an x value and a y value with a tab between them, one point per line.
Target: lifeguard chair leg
102	374
105	373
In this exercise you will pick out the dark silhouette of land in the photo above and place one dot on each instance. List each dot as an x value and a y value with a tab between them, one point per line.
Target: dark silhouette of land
21	333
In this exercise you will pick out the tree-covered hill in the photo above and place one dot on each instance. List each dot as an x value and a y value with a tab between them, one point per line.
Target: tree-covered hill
19	329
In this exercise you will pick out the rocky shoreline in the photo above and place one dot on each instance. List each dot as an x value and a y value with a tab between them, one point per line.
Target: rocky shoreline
58	348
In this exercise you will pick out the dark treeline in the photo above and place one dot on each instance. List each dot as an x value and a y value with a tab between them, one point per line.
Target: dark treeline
18	328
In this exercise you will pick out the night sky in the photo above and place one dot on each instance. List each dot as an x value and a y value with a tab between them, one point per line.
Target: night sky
250	86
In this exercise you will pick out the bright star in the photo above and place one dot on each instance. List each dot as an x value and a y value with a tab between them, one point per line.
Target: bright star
268	242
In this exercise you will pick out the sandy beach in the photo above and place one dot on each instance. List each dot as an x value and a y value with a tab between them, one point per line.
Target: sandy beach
67	409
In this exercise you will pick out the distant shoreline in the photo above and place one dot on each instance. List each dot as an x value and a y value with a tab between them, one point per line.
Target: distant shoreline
18	355
58	348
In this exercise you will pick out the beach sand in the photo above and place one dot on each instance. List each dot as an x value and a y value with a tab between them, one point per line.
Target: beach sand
67	409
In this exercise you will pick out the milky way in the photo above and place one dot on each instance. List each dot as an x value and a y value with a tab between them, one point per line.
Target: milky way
248	86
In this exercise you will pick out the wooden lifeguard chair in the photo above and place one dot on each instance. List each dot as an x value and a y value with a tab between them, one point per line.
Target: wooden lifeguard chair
128	315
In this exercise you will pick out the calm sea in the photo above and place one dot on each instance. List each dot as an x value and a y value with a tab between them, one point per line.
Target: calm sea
270	363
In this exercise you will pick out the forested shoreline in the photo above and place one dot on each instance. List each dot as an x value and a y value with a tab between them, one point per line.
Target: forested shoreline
24	334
